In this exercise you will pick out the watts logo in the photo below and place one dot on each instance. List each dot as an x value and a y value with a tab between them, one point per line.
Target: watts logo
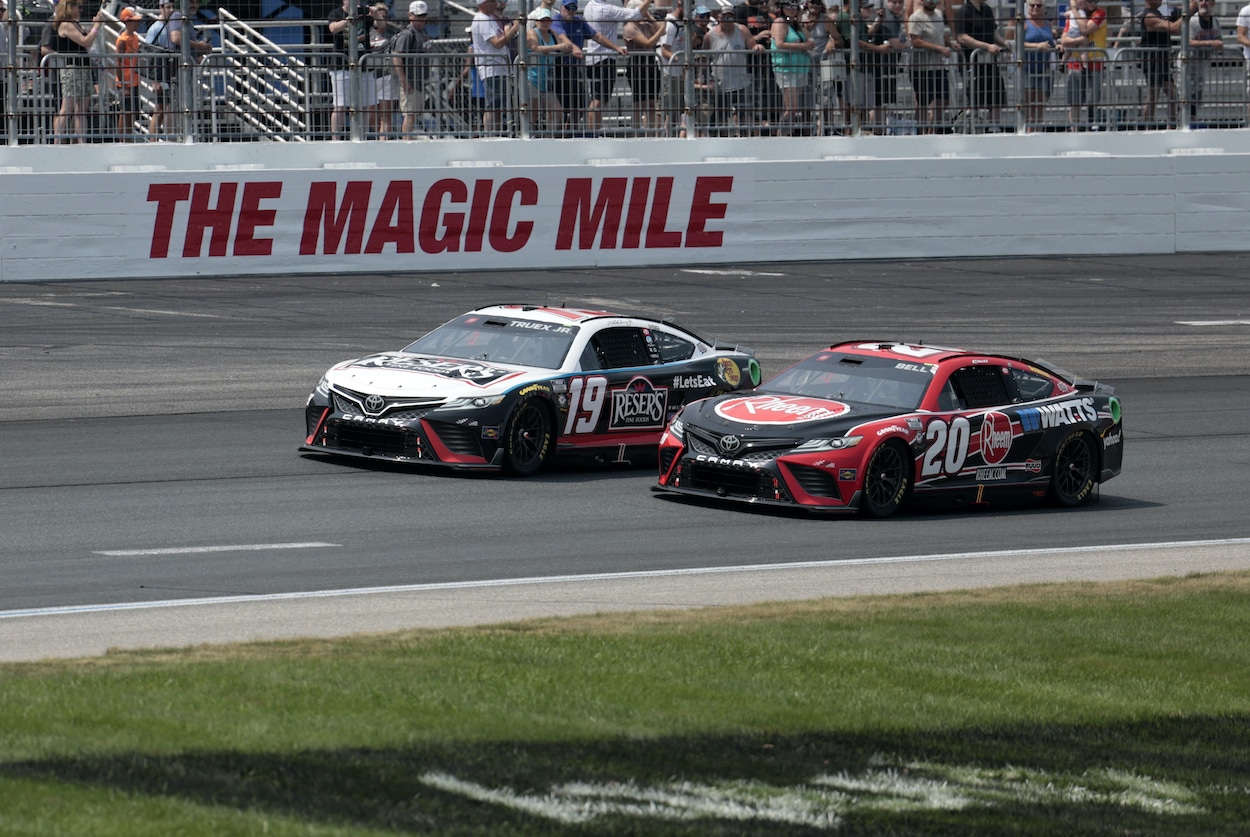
639	406
1057	415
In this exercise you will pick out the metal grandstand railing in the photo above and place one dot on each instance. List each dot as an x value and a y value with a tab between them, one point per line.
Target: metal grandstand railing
254	88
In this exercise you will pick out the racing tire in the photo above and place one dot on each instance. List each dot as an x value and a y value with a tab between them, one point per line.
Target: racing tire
1075	471
528	439
887	481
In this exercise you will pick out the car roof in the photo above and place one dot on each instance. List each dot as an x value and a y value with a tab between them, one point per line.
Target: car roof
545	313
899	350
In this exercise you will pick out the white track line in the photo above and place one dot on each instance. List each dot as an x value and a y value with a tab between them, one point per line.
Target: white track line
563	579
192	550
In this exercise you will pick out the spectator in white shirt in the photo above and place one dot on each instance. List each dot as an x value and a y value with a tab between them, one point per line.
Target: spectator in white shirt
606	16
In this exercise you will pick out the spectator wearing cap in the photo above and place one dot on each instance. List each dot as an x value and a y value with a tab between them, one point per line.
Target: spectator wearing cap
410	57
570	69
792	68
493	38
126	72
606	16
643	74
544	46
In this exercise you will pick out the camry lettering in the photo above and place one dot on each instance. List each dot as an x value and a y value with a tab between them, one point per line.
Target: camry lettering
720	460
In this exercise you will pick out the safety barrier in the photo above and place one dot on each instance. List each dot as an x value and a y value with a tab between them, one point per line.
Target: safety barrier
251	88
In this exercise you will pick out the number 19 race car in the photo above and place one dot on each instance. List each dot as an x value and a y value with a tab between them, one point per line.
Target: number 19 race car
509	386
872	426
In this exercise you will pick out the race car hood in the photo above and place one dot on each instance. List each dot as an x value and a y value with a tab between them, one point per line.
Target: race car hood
398	374
762	414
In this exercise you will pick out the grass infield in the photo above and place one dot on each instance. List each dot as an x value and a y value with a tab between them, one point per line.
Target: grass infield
1050	710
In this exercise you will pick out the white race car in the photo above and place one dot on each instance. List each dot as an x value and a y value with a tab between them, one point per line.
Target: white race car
508	387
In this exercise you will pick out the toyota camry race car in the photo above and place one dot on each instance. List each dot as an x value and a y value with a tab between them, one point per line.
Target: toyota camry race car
871	426
509	386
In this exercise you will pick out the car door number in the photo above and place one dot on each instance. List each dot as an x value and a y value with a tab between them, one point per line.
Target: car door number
586	399
948	446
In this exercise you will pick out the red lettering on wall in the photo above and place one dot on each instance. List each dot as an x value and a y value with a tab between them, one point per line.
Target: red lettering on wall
324	212
703	210
433	219
393	224
252	216
657	236
205	217
585	215
526	191
166	196
578	214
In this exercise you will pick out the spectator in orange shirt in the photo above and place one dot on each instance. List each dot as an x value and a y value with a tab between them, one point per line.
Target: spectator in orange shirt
127	73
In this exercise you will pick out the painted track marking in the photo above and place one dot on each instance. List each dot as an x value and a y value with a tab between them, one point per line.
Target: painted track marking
562	579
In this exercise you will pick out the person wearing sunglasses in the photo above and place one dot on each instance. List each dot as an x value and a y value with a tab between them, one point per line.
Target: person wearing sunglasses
1039	56
73	42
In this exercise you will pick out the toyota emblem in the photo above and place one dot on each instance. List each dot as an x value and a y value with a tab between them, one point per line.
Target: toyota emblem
729	444
375	404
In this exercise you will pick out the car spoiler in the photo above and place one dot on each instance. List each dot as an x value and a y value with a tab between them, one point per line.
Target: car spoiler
1080	384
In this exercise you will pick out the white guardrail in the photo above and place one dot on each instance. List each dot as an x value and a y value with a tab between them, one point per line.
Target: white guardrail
169	209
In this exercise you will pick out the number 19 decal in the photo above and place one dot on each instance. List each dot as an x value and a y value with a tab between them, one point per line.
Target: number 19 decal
586	399
948	446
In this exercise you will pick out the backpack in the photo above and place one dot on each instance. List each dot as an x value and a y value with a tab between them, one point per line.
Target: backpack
159	59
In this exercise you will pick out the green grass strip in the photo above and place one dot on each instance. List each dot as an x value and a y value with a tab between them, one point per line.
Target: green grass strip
1051	710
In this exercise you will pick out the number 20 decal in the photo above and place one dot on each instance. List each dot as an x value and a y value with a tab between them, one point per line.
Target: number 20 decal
948	446
586	399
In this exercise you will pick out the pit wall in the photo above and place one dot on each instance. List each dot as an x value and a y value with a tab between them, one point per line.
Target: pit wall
172	210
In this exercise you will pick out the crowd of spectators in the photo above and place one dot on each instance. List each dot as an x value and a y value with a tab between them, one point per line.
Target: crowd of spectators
688	67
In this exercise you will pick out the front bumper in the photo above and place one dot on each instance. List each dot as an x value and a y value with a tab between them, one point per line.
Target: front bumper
461	446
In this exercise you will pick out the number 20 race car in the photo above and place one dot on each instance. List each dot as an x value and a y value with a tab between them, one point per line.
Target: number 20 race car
509	386
872	426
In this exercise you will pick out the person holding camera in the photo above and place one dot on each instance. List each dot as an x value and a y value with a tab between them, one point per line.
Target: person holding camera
73	42
348	25
494	45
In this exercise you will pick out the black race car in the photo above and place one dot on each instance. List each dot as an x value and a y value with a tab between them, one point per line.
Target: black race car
509	386
870	426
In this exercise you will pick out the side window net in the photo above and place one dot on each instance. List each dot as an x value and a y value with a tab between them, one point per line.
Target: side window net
618	348
980	386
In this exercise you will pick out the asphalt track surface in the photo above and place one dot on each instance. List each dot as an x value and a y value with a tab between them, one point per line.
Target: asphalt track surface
151	493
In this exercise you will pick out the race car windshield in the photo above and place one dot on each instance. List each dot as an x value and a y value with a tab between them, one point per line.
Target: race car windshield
499	340
877	381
